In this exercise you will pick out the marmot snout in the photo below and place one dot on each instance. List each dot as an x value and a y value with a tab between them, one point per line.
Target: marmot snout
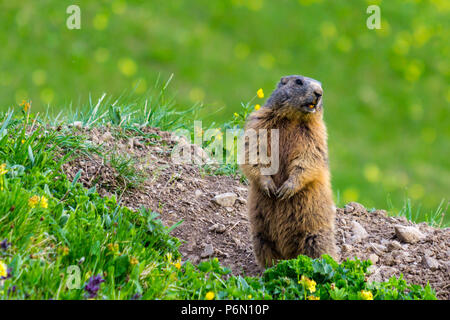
292	211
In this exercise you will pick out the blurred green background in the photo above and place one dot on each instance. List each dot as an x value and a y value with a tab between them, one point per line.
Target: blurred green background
387	91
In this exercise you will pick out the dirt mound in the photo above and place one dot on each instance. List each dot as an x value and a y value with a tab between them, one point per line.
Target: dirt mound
213	211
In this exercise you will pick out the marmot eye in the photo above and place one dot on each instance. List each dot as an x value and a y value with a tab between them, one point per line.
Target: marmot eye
299	82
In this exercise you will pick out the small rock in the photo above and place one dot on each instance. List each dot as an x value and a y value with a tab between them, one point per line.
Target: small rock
238	242
191	246
394	245
137	143
381	212
382	273
446	266
346	248
221	228
359	233
229	209
95	139
208	251
180	186
221	253
218	227
430	263
193	258
377	248
408	234
242	200
372	269
107	136
374	258
198	193
400	256
354	207
241	189
225	199
130	143
78	124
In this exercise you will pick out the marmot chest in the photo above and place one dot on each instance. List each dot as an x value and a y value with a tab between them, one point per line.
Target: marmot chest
294	140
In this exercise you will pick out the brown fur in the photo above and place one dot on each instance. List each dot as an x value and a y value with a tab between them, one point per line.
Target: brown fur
303	222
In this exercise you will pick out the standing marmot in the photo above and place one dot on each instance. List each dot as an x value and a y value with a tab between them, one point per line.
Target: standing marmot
292	212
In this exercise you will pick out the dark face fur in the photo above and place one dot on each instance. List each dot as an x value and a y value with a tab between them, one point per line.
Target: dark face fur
298	92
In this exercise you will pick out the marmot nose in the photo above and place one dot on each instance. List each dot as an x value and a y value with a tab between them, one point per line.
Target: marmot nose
318	93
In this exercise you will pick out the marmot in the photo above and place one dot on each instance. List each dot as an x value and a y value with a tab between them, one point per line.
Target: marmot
292	212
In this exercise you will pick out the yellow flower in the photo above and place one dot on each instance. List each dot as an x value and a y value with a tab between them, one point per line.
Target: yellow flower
177	265
26	105
260	93
3	169
313	298
3	270
311	285
209	295
23	141
65	251
113	247
366	295
134	261
236	114
308	283
257	107
44	202
33	201
249	296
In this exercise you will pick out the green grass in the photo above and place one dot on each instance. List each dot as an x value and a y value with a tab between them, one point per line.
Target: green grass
57	237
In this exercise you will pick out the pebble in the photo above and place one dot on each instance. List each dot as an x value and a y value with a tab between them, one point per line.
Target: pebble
382	273
359	233
346	248
193	258
430	263
354	207
225	199
377	248
107	136
208	251
394	245
198	193
218	227
78	124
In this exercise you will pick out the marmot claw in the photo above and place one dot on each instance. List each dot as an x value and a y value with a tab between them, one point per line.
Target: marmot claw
286	191
268	186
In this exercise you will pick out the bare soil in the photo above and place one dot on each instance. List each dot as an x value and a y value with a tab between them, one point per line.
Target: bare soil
185	193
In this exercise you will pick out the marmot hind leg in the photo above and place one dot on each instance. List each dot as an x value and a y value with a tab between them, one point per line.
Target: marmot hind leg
265	252
319	243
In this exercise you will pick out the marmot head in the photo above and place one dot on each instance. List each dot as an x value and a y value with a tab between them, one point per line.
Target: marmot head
297	93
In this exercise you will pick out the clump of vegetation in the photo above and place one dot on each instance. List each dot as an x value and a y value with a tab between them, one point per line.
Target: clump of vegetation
59	240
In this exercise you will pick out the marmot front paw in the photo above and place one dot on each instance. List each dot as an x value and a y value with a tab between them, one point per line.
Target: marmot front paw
268	186
286	191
